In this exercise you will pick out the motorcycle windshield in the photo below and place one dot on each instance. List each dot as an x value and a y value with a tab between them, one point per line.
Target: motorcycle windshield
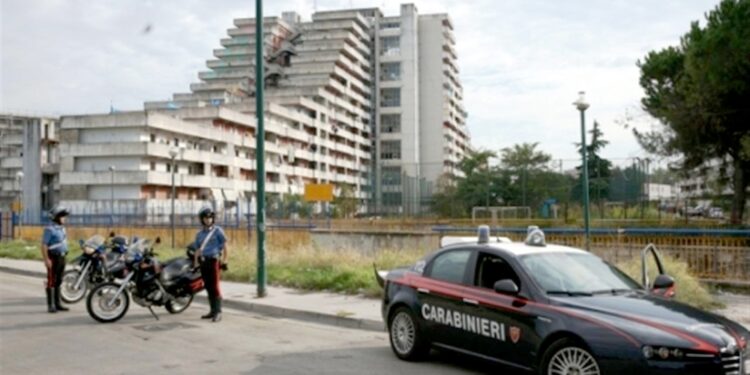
92	244
136	250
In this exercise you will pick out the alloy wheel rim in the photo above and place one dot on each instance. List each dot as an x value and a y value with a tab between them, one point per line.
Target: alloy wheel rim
573	361
104	309
403	333
68	286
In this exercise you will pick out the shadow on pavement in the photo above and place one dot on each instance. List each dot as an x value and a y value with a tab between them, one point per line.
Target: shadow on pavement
373	360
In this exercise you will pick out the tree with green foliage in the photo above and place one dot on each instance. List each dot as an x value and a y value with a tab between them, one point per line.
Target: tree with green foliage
599	168
344	203
526	164
700	93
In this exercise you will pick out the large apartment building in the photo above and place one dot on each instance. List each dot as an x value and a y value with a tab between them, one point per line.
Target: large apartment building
341	106
419	122
28	163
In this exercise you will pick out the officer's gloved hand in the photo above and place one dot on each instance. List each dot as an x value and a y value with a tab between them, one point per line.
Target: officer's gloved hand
224	266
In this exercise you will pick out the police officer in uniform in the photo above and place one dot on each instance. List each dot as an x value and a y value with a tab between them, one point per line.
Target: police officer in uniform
54	249
212	253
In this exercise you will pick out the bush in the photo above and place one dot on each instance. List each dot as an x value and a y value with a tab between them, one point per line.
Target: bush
689	290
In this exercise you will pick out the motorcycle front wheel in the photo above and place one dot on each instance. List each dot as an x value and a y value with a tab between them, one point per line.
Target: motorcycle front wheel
68	292
105	306
179	304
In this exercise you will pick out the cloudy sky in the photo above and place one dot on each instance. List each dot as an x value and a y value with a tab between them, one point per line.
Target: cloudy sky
522	61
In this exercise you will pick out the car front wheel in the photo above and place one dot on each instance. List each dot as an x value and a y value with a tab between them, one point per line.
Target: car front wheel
567	357
406	338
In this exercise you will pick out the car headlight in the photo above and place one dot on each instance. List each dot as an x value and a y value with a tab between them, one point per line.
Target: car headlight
662	352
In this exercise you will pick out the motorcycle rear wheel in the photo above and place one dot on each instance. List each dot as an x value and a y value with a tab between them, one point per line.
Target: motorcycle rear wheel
98	303
179	304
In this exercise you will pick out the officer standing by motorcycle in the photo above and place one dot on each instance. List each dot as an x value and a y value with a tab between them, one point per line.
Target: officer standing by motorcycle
212	254
54	249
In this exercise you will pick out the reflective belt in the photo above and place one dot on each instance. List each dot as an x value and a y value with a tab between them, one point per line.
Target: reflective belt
55	246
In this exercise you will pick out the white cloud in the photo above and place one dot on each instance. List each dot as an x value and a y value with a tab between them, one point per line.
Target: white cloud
522	61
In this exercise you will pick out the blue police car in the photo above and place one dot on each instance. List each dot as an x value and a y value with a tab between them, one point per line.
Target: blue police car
552	310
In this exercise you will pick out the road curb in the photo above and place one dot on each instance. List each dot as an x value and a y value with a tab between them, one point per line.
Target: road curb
263	309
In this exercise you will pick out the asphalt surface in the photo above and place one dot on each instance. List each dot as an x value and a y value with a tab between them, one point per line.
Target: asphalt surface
33	341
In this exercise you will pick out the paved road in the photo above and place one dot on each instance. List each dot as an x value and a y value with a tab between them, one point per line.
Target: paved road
35	342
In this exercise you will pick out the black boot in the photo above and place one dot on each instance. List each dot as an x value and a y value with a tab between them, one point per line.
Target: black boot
217	311
58	303
211	313
50	300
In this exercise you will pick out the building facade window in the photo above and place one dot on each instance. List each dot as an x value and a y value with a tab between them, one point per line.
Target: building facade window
391	199
391	176
390	97
390	123
391	71
390	150
390	45
390	25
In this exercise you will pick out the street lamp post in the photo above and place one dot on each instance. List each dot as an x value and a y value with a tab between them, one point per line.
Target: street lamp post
112	196
581	105
173	154
260	150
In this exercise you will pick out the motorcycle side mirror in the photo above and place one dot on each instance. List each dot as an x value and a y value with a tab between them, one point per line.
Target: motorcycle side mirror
80	242
158	240
112	234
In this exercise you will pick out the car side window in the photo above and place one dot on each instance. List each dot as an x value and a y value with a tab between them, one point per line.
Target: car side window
450	266
491	269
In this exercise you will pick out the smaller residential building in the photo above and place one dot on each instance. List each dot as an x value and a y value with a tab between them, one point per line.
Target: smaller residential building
29	163
660	192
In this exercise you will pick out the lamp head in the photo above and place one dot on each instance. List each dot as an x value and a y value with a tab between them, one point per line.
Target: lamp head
581	103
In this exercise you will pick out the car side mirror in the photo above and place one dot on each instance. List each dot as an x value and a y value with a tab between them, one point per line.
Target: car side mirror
664	286
506	286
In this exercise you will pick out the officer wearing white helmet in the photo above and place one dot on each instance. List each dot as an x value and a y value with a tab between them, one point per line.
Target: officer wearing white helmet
212	253
54	249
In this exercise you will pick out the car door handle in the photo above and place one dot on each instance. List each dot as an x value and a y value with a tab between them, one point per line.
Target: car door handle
471	301
423	290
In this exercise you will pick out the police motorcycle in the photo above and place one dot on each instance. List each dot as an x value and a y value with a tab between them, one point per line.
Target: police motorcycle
171	284
92	267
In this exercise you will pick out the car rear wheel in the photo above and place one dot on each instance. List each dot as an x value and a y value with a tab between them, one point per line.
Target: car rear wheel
568	357
405	335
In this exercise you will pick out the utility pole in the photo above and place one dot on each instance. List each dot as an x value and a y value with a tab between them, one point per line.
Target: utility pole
260	150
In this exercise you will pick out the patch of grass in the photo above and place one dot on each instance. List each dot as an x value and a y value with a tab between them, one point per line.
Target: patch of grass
20	249
688	287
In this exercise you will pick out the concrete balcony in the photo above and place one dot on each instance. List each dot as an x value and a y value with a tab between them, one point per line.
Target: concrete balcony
52	168
225	63
233	74
12	140
11	162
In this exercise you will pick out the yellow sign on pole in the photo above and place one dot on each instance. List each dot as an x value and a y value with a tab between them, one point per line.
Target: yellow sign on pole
16	206
318	192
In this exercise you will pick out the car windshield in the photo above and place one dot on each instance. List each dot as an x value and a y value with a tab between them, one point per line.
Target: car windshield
576	274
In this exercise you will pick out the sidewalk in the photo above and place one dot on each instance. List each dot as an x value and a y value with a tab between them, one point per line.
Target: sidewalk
323	308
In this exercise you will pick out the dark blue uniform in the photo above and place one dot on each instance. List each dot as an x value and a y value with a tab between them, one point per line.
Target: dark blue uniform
56	240
211	242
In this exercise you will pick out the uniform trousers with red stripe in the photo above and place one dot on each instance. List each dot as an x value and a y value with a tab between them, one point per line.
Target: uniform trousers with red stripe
211	272
55	273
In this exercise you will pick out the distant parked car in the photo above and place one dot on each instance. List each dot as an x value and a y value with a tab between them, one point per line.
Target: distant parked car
714	213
